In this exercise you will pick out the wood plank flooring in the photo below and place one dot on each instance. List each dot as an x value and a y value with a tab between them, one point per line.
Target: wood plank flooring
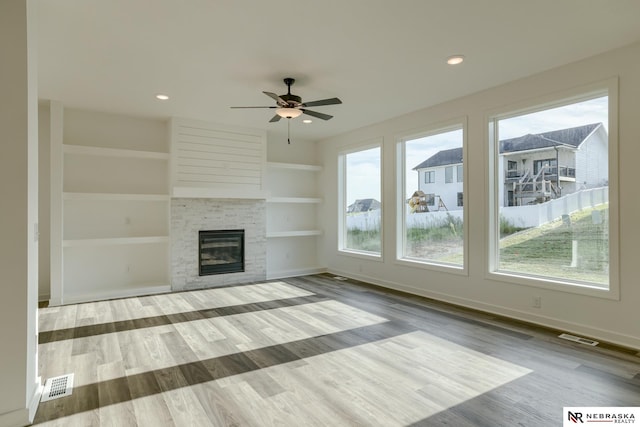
315	351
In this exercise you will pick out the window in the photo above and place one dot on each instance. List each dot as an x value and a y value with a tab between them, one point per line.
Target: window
459	174
448	174
549	166
361	219
512	170
429	177
460	199
552	228
431	217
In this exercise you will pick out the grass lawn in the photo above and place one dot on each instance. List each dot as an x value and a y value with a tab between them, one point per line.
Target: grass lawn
548	250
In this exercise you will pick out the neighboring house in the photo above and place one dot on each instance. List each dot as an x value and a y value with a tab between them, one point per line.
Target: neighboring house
440	178
363	205
535	167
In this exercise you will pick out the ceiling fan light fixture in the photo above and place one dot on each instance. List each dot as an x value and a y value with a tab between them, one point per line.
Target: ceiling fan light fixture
288	113
455	59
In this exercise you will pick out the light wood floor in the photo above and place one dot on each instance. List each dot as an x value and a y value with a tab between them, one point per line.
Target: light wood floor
314	351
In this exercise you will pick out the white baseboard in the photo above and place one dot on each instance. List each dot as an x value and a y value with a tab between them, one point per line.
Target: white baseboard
17	418
117	293
35	399
23	416
282	274
549	322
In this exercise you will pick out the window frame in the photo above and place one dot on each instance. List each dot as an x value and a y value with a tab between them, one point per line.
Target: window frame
343	204
431	174
459	123
448	174
610	88
537	164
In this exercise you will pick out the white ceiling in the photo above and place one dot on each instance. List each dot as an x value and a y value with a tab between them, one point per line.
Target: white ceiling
383	58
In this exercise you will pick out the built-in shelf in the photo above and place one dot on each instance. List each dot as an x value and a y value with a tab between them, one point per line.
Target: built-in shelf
294	200
296	166
114	152
117	196
110	241
110	206
292	219
298	233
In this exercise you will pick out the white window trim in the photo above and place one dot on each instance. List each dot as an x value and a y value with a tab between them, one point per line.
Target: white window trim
607	87
342	203
429	130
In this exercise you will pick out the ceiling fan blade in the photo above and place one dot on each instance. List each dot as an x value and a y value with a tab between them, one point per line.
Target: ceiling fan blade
253	107
281	102
316	114
275	119
328	101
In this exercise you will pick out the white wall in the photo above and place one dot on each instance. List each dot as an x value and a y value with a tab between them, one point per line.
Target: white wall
44	205
299	151
20	388
607	319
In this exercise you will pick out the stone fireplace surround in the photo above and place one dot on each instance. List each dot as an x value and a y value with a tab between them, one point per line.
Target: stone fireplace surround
190	215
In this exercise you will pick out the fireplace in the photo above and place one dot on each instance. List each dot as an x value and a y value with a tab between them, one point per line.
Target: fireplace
221	251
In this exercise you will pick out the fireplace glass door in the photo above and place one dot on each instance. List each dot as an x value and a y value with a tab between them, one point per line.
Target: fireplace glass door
221	251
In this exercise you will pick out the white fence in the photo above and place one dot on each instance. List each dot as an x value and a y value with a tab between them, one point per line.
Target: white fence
536	215
520	216
371	220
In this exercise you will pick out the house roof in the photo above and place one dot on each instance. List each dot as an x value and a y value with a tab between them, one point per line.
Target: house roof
572	137
364	205
442	158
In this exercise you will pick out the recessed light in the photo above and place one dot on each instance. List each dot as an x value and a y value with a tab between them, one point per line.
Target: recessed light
455	59
162	97
307	121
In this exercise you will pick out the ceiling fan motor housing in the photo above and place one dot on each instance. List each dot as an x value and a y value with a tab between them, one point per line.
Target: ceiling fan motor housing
292	99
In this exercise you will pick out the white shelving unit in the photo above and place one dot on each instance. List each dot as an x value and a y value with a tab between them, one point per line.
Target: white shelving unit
115	207
292	219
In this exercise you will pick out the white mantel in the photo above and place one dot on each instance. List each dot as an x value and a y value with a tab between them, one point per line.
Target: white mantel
215	193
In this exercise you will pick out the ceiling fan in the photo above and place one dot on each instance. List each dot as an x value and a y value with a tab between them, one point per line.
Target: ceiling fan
290	106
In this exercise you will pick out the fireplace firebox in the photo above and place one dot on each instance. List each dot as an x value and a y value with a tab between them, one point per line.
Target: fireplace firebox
221	251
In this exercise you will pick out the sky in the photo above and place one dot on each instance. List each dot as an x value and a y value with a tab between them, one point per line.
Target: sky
363	167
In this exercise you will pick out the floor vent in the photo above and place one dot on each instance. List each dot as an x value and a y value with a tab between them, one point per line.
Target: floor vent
581	340
339	278
57	387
